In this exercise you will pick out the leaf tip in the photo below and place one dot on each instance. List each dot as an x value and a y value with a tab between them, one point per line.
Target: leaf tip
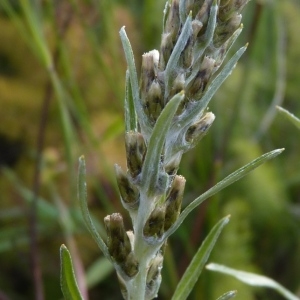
63	247
63	250
227	219
280	150
209	266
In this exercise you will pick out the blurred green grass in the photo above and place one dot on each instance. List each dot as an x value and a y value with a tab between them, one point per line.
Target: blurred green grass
70	53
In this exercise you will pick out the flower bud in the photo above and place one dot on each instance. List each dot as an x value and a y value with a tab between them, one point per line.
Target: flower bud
154	226
204	11
131	266
173	20
154	276
118	243
148	74
135	152
129	193
197	85
155	101
230	7
166	48
173	201
172	165
177	85
195	133
225	29
197	26
155	267
171	29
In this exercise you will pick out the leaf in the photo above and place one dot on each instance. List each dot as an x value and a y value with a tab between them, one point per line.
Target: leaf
142	117
82	196
253	279
193	271
209	34
213	87
228	295
151	165
172	64
238	174
289	116
130	114
67	277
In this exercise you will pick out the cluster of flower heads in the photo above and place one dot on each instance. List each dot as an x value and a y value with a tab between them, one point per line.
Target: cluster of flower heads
196	38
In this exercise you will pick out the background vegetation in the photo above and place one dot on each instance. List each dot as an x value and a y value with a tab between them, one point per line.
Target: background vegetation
62	75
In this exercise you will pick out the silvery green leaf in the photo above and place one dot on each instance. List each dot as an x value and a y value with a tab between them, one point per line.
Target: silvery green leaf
142	117
130	114
193	271
238	174
218	55
201	47
228	295
289	116
67	277
166	13
179	47
151	167
253	279
213	87
82	196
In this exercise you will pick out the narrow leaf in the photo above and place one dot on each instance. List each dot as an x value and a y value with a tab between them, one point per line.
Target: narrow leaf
166	13
182	11
214	86
142	117
228	295
172	64
67	277
130	114
157	140
193	271
289	116
209	34
253	279
238	174
82	196
229	43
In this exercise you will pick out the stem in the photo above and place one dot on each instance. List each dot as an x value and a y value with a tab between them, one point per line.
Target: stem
144	252
137	288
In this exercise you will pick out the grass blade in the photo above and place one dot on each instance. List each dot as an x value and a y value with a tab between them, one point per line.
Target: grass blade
193	271
253	279
67	277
